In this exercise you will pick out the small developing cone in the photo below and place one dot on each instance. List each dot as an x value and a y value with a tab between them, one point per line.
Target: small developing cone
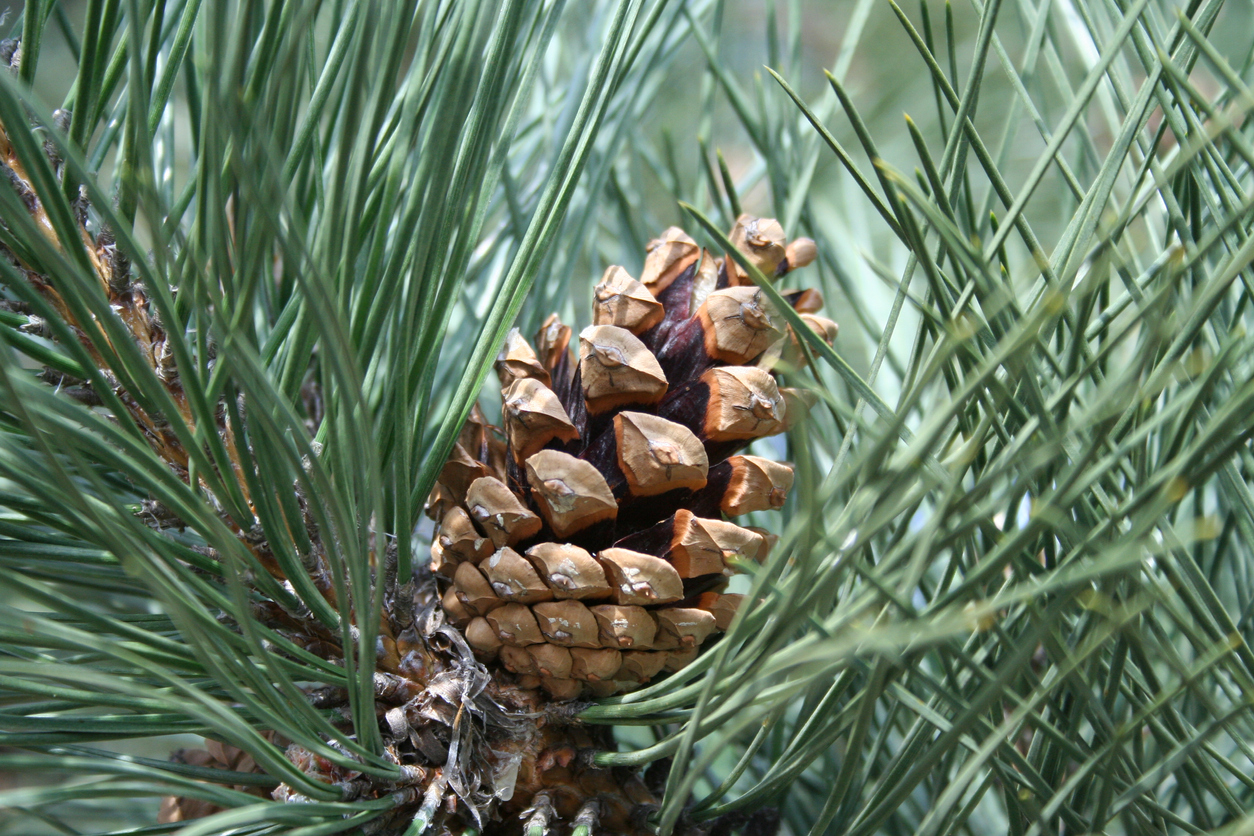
589	540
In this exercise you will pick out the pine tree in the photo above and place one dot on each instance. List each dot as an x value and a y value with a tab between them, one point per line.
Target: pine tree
257	269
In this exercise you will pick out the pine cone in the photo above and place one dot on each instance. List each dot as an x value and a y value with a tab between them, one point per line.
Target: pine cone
583	544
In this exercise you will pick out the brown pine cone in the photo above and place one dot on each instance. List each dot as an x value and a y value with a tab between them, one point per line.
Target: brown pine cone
583	544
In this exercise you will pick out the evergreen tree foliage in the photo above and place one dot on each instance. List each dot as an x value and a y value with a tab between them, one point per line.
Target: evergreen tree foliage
258	261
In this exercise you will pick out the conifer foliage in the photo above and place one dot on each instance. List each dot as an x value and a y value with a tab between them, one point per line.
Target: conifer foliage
980	565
